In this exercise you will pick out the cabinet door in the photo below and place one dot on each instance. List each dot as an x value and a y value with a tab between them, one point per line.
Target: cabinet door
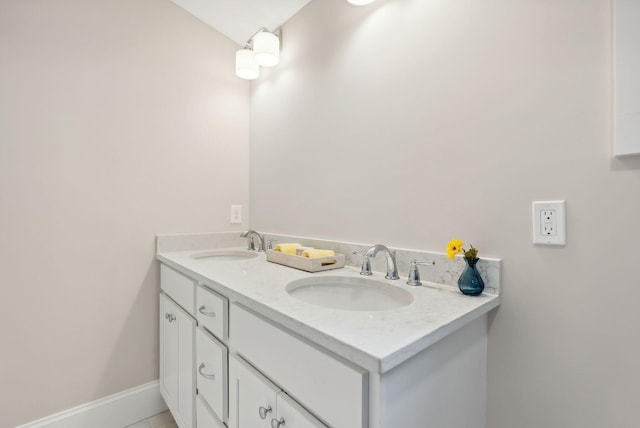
626	96
169	345
252	398
177	330
290	414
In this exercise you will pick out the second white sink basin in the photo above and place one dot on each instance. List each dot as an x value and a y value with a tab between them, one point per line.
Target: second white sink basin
225	255
349	293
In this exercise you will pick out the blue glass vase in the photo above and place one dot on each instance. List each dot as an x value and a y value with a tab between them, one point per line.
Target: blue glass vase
470	281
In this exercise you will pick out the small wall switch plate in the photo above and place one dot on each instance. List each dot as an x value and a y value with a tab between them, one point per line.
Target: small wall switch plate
236	214
549	223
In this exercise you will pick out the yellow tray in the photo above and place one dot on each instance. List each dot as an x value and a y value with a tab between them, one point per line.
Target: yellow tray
305	263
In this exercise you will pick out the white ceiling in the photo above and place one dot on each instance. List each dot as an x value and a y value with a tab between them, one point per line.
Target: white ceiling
240	19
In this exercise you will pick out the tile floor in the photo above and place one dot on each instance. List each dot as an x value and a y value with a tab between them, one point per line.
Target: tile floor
161	420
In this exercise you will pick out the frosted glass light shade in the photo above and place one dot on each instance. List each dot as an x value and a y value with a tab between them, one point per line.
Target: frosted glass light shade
360	2
246	67
266	49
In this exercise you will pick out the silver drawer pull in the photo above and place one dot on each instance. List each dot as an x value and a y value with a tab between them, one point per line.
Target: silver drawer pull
264	412
277	424
204	375
202	308
170	317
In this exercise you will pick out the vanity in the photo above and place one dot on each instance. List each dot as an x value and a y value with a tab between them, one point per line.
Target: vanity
241	346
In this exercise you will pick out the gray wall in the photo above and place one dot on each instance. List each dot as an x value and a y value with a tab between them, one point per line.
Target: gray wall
118	120
411	122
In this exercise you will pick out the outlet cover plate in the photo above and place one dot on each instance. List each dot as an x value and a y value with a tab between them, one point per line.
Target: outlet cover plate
236	214
549	223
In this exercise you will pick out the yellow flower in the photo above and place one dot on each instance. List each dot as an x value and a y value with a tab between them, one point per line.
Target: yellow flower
454	247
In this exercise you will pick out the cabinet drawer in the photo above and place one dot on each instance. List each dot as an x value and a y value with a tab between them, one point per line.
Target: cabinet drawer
212	312
179	287
211	367
205	417
331	387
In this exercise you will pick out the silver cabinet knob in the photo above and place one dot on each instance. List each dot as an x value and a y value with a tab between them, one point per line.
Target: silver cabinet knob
203	311
263	412
276	424
203	374
170	317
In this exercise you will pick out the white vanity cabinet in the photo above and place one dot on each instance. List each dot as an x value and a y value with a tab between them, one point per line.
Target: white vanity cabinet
256	402
176	361
236	365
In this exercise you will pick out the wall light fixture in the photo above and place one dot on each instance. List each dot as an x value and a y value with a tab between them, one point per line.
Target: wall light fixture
360	2
262	49
266	49
246	66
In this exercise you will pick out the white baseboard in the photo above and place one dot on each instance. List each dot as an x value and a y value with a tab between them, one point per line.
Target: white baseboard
115	411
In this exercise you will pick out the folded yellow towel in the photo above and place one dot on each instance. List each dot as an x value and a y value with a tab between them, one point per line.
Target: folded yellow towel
316	254
300	249
287	248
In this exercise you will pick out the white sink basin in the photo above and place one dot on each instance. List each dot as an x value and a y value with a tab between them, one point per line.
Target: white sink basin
349	293
225	255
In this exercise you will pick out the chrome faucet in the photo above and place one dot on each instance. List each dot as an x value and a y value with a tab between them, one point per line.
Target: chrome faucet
392	270
251	244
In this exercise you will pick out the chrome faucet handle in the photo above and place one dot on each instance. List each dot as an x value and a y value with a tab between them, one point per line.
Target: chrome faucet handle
366	263
414	272
270	243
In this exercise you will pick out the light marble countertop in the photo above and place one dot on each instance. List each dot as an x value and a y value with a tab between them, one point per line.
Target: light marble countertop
375	340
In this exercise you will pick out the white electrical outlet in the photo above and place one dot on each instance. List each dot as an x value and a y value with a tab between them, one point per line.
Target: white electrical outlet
549	223
236	214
